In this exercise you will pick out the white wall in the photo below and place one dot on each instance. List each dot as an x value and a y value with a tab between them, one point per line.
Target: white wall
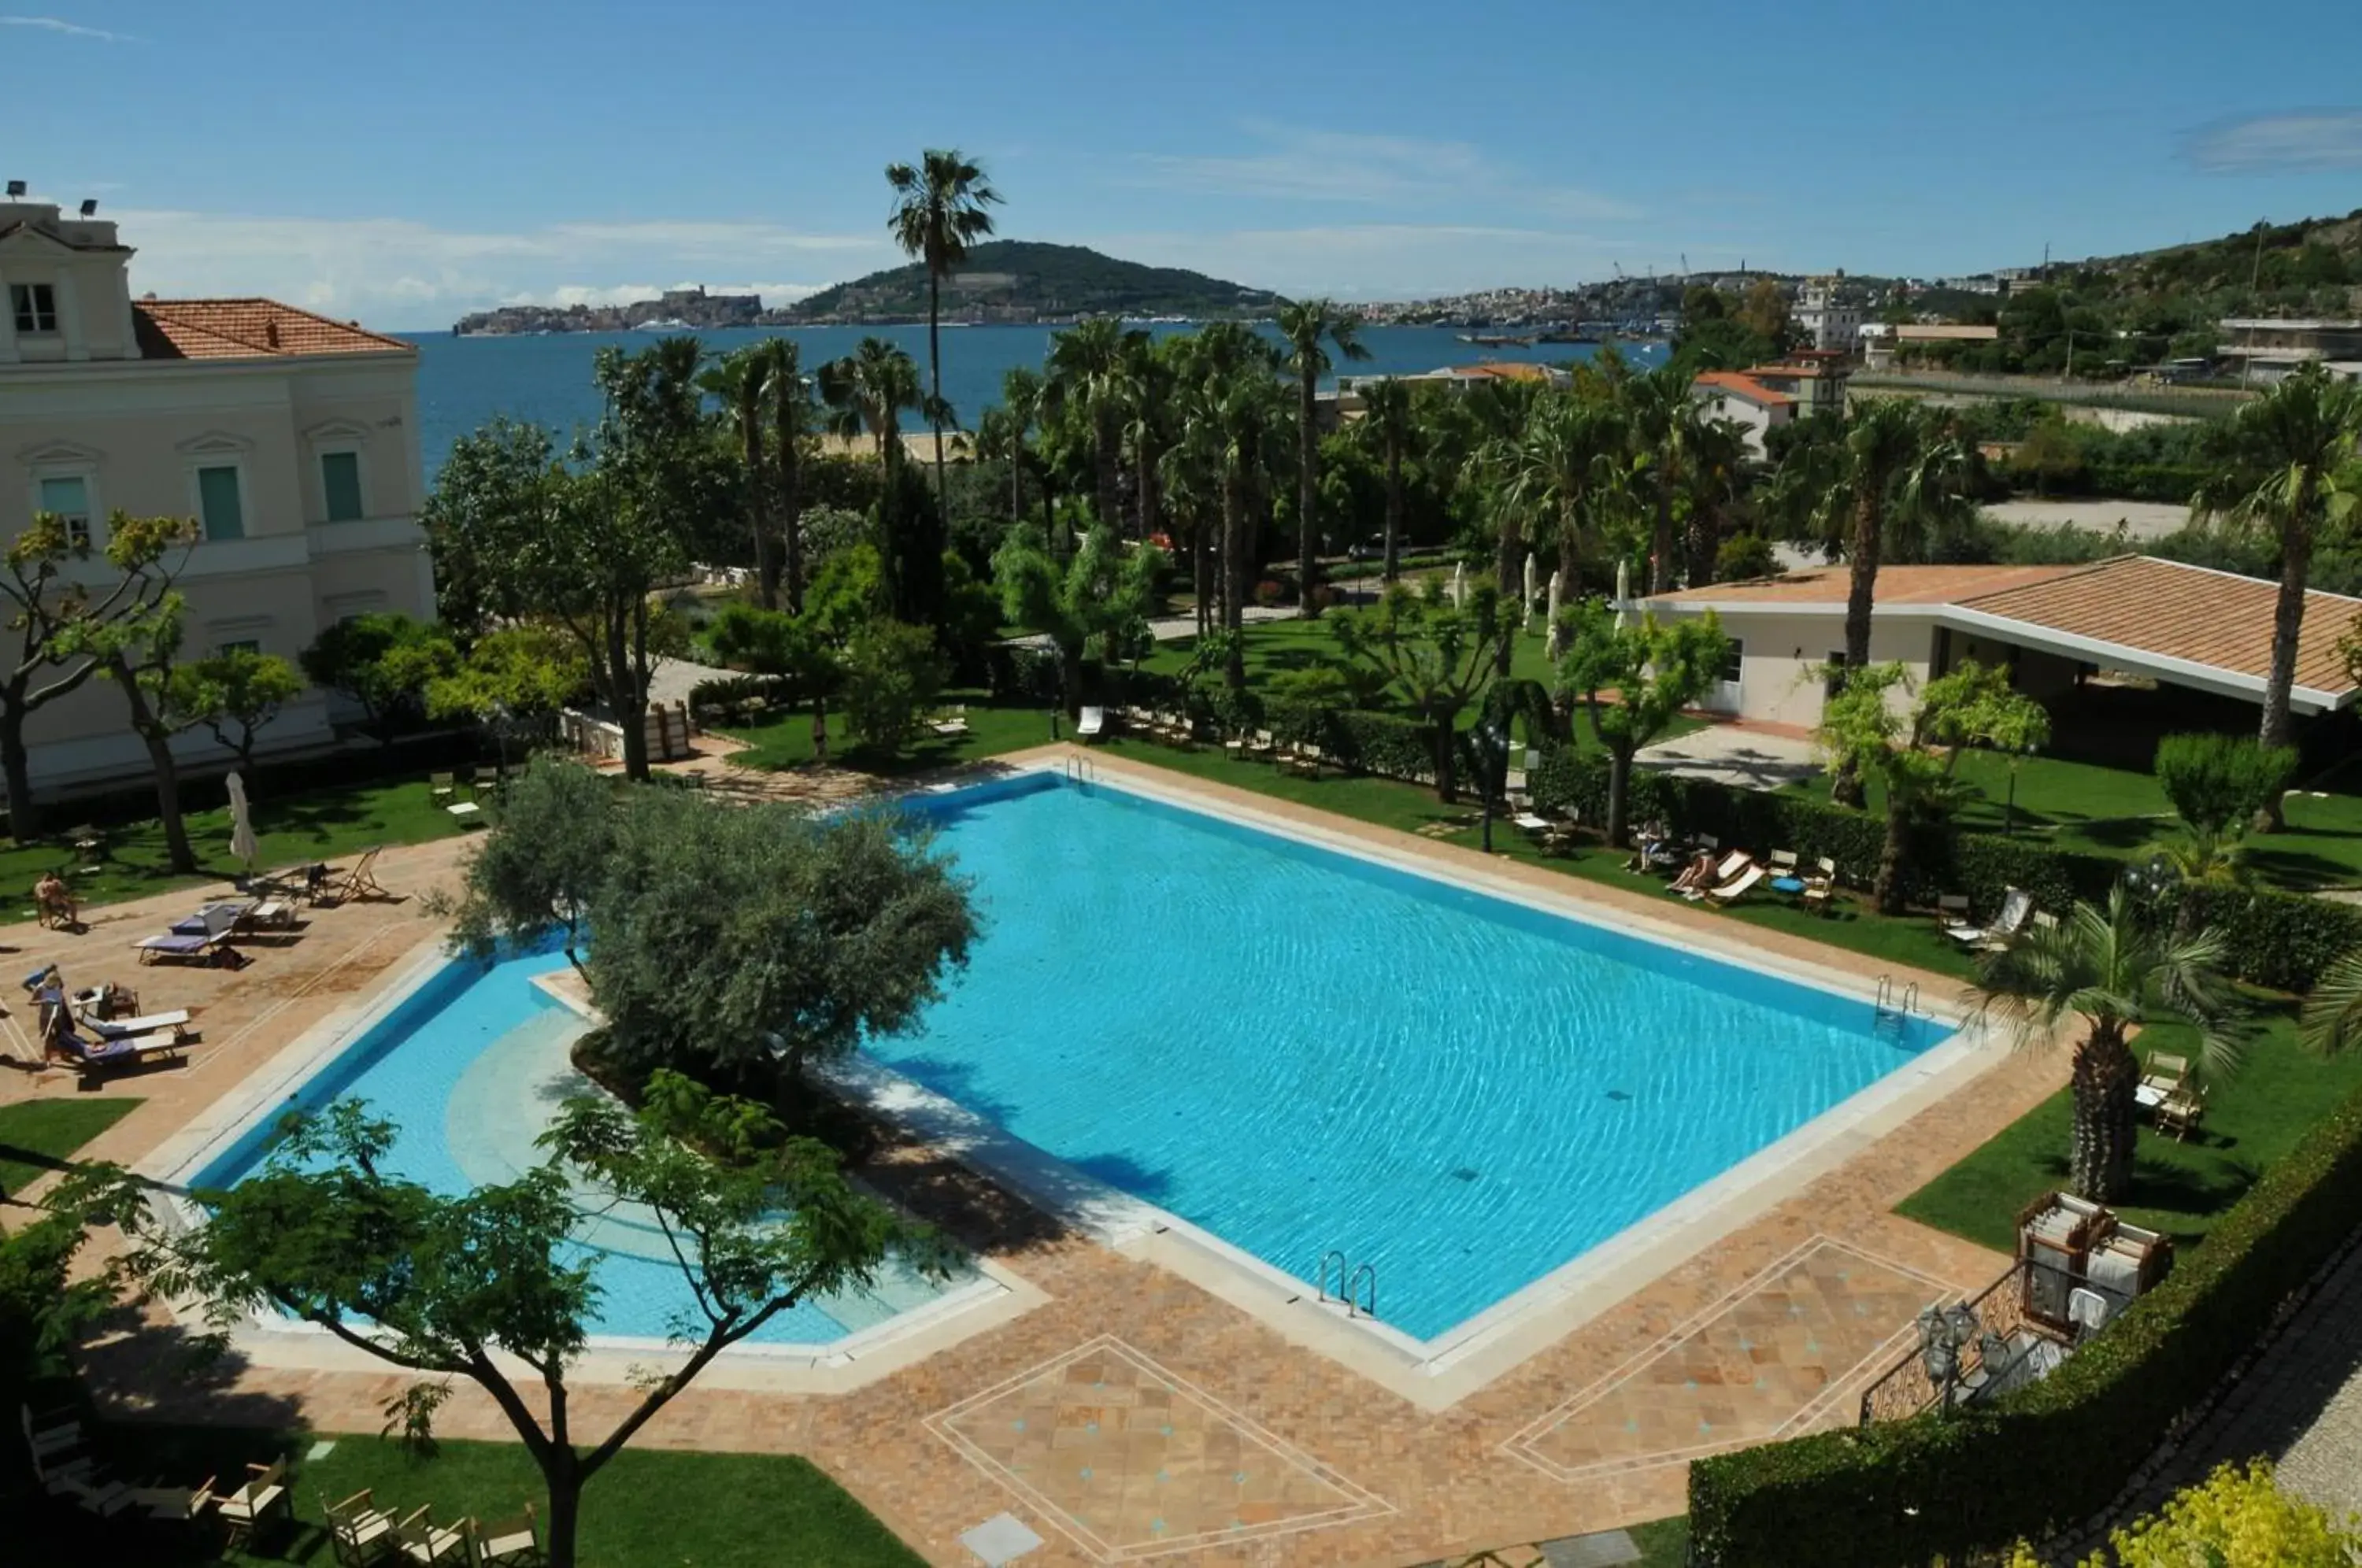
1783	657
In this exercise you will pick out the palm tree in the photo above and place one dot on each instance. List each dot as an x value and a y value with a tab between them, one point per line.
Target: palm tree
1006	432
792	423
1712	480
1305	323
2115	969
1146	420
1568	450
738	379
1239	422
867	391
1902	467
940	207
1388	421
2286	466
1086	373
1660	415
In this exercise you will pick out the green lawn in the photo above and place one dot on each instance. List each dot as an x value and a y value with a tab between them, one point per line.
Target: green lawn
2253	1118
1664	1543
1914	942
324	824
37	1135
650	1508
786	742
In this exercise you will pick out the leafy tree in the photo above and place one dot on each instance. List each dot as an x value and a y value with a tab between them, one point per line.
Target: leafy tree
1765	313
1439	657
1661	415
1086	377
1306	325
472	1285
761	642
1655	669
2286	465
892	676
1004	433
1388	421
492	477
46	1303
54	612
540	867
2116	970
1913	751
385	662
1744	556
942	205
760	387
514	683
1088	607
2218	783
869	392
794	419
235	695
2234	1518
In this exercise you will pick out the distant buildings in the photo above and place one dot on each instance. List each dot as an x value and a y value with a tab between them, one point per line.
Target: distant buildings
1346	401
1814	377
674	309
291	439
1880	340
1729	395
1827	320
2256	349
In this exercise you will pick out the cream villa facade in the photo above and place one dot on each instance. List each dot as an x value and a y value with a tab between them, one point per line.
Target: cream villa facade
292	440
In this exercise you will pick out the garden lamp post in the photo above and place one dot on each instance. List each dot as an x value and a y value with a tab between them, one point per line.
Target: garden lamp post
1944	1332
1492	755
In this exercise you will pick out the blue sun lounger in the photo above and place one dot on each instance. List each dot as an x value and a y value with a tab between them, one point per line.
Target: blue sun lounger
90	1056
180	949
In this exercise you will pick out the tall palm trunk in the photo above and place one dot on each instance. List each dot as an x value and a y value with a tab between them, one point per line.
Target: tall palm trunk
1869	539
935	380
1308	491
1151	501
1660	545
1103	433
1509	562
750	435
1017	484
790	464
2105	1114
2288	620
1393	510
1234	575
1202	573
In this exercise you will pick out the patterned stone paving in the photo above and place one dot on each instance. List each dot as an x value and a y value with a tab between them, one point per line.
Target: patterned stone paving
1133	1462
1772	1359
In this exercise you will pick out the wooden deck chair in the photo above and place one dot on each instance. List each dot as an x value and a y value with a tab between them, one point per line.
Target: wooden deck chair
507	1540
1822	885
358	1528
360	882
441	786
2165	1076
2179	1112
263	1495
424	1541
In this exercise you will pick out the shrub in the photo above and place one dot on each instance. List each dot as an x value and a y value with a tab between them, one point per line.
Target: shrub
723	694
1906	1492
1268	592
2238	1519
2219	781
892	675
1025	673
1744	556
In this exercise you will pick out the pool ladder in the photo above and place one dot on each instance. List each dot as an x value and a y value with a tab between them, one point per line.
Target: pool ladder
1884	1014
1357	1288
1081	770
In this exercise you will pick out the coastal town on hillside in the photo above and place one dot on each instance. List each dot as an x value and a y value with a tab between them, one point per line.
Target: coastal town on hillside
779	931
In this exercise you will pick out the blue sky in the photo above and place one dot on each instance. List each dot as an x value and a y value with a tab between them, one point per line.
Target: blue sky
405	162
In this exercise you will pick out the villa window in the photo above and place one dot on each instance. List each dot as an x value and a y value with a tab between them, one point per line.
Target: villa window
35	306
243	646
340	483
1732	662
67	496
218	503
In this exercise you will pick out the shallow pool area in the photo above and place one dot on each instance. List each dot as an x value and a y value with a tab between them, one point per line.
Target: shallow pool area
471	1066
1312	1055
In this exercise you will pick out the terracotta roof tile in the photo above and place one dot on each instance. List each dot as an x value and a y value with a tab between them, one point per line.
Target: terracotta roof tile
2175	610
1896	585
1741	385
247	330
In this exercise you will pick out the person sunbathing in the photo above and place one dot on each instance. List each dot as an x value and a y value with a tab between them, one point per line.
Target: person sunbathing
56	901
1698	876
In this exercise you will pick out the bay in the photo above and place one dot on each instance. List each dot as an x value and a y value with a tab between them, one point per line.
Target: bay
464	381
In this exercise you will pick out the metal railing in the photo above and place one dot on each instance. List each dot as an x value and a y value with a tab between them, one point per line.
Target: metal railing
1909	1386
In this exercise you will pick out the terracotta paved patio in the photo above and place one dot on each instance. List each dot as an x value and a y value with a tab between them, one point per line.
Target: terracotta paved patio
1134	1416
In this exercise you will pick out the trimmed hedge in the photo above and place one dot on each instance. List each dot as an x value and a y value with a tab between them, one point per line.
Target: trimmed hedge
2278	940
2053	1454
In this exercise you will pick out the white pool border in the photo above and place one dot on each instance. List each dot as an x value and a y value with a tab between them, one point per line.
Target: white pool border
996	1295
1439	1370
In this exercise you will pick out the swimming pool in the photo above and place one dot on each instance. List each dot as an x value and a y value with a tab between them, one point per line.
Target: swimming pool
471	1066
1304	1052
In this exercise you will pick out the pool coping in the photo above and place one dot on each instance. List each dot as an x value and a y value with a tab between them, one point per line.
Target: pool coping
997	1296
1439	1370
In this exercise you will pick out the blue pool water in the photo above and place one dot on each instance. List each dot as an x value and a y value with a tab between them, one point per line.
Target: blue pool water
472	1068
1300	1051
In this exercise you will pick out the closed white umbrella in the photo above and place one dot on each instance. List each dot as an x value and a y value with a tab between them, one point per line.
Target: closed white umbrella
1533	586
1623	592
1557	586
1460	586
242	846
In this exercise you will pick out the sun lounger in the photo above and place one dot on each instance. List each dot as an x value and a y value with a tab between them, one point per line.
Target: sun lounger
90	1056
2017	905
1730	892
1090	724
1533	821
175	1023
215	918
1263	745
182	950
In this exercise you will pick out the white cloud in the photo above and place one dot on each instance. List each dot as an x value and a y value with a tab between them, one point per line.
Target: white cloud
2306	138
70	30
396	272
1298	164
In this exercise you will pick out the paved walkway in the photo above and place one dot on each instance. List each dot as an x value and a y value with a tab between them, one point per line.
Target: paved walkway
1746	757
1132	1413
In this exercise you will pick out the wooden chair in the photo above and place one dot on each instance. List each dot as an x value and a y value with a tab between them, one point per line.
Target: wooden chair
360	882
2179	1112
506	1541
1263	745
175	1505
2165	1076
357	1528
1821	887
441	786
424	1541
264	1494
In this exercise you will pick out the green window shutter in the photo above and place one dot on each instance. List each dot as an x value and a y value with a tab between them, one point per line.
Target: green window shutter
340	479
217	494
66	497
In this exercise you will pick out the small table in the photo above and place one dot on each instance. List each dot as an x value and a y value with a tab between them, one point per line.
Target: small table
465	810
1787	884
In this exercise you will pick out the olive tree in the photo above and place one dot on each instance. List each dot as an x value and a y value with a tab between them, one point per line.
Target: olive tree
1438	656
1655	671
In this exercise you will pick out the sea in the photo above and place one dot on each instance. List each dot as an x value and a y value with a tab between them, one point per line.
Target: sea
464	381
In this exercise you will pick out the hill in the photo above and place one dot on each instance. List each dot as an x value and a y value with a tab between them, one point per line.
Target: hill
2313	262
1022	280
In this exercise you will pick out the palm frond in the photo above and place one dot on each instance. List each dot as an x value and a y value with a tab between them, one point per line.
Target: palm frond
2333	1013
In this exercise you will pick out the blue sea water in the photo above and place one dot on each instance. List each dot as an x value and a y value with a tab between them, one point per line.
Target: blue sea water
463	382
1300	1051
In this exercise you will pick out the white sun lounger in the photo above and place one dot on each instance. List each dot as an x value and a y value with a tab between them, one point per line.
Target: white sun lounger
1732	890
1091	724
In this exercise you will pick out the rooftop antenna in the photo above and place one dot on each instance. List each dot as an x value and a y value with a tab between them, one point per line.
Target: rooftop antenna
90	206
15	189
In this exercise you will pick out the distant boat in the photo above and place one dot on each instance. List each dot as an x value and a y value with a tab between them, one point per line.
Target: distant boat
1562	336
671	323
1496	340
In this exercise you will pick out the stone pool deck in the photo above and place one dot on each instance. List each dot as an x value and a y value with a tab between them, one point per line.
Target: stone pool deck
1126	1413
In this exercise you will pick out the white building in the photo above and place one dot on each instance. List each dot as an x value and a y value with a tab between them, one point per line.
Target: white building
291	439
1741	398
1826	321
